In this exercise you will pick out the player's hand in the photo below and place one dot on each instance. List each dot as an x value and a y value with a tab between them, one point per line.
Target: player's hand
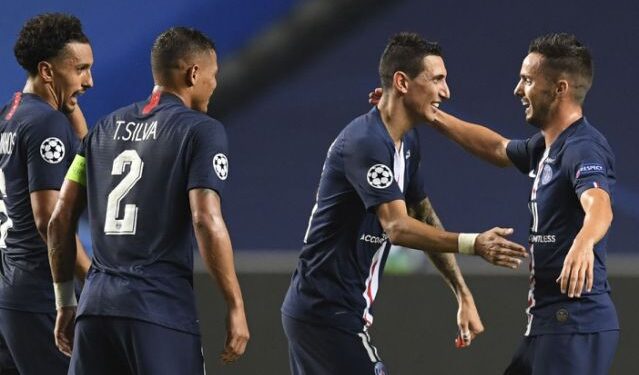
237	335
78	122
578	269
375	96
496	249
63	331
468	321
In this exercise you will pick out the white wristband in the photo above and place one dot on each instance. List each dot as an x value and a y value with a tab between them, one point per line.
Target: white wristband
64	294
466	243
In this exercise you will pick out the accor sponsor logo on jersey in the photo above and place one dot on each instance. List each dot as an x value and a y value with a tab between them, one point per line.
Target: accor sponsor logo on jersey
373	239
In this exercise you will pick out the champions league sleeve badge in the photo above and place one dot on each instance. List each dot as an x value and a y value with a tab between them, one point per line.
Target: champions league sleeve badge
379	176
52	150
221	166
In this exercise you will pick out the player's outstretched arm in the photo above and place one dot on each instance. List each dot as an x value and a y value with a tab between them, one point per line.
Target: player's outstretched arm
476	139
214	243
62	257
406	231
577	272
468	320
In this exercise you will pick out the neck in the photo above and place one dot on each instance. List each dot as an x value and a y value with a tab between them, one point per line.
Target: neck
559	121
395	117
184	97
45	91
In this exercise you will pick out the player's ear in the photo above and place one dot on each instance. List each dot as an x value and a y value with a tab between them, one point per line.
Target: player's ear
192	74
400	82
45	71
561	88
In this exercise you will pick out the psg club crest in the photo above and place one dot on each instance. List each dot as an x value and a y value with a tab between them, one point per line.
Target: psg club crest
52	150
546	175
221	166
379	176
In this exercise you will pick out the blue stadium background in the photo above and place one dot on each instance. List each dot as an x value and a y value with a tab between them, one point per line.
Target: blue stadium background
279	139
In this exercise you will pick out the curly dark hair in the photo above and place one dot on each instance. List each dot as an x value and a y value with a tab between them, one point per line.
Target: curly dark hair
44	36
177	43
405	52
565	55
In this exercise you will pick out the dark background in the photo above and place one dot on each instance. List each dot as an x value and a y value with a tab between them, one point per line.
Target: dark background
279	136
283	121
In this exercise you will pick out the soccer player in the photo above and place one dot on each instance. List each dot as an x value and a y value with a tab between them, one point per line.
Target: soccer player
151	174
371	195
36	144
572	323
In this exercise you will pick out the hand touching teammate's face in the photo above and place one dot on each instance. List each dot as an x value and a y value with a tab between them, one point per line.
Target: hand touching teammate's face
70	75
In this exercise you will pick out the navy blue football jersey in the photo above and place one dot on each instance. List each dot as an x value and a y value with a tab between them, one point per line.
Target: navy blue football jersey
345	247
578	160
36	143
141	162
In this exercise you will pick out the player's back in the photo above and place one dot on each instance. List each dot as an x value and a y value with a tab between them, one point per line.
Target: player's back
140	167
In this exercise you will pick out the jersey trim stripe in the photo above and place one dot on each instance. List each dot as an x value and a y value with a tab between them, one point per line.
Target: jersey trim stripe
535	225
17	97
370	349
155	99
372	283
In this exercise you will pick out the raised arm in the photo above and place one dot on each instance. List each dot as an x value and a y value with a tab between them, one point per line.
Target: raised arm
476	139
406	231
61	242
468	320
214	243
577	271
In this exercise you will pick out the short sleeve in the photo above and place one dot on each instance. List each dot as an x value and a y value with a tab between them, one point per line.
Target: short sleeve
589	165
49	145
368	168
521	152
208	164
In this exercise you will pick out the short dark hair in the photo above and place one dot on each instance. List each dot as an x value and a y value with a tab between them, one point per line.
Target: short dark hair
564	54
405	52
44	36
177	43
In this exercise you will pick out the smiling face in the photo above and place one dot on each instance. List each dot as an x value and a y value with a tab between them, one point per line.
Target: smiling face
428	89
70	75
536	91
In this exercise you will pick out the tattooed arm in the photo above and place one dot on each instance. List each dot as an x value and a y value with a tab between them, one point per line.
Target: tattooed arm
467	316
445	262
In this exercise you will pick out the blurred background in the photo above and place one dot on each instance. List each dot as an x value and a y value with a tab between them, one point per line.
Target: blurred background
293	73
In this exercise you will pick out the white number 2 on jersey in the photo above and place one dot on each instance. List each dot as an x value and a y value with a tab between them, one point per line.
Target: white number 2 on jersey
127	224
6	222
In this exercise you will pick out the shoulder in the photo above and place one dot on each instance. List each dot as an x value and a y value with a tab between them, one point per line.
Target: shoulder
48	117
587	140
362	135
